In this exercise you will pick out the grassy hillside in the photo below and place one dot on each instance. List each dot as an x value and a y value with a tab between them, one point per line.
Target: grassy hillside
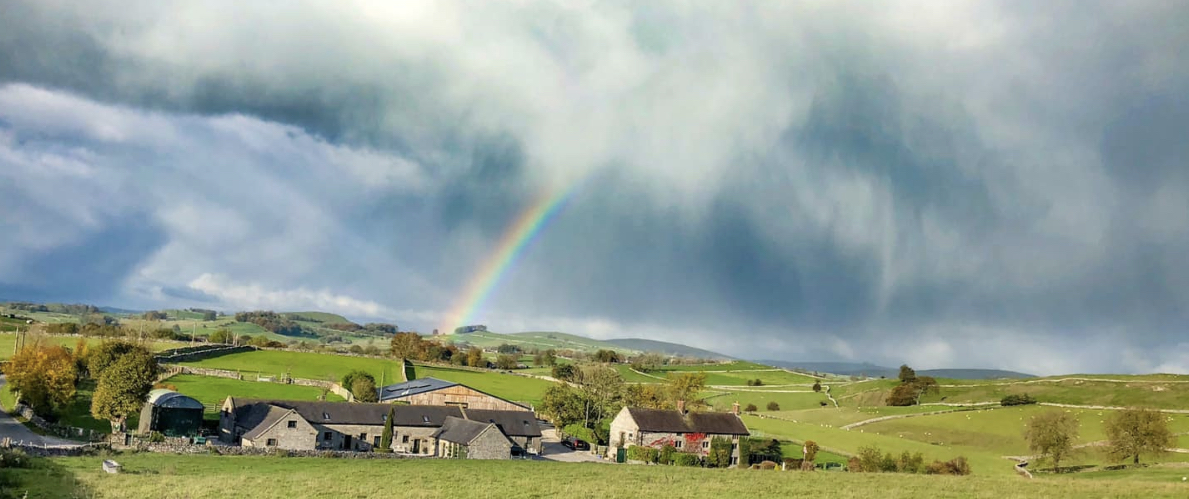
302	365
212	391
537	340
506	386
8	341
200	476
667	348
1071	391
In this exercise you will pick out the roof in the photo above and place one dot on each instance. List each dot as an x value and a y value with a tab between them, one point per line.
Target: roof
171	399
414	387
460	431
670	421
251	412
271	416
512	423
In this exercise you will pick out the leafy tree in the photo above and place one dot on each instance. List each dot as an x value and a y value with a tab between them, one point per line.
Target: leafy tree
1052	434
364	389
773	406
349	379
1011	400
505	361
817	386
1132	432
44	376
475	357
386	435
407	346
719	455
107	353
563	372
123	386
507	348
601	387
647	395
647	362
907	374
209	316
685	386
545	358
607	356
751	408
223	336
809	450
563	404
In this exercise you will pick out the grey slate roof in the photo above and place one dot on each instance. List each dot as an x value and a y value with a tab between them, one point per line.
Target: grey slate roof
271	416
250	412
512	423
460	431
414	387
670	421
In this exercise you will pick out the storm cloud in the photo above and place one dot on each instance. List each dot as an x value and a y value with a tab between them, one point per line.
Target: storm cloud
994	184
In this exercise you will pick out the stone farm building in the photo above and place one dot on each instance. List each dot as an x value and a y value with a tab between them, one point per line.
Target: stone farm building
433	391
461	438
309	425
687	431
170	413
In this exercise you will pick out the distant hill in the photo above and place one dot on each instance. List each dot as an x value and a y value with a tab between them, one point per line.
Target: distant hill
667	348
875	371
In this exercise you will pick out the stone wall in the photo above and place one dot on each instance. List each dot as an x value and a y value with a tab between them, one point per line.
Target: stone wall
490	444
170	448
189	354
57	429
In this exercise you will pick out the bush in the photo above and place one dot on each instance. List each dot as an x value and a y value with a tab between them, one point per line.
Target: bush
751	408
910	463
640	453
854	465
666	454
869	459
773	406
156	437
1011	400
766	465
955	466
793	463
686	459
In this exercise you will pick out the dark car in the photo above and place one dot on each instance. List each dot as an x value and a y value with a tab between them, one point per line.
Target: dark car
576	444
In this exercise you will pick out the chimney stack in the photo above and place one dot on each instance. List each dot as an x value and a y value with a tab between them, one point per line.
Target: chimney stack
735	408
681	406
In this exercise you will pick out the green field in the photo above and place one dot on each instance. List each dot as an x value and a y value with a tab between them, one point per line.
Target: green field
1079	392
506	386
212	391
303	365
761	398
154	475
8	341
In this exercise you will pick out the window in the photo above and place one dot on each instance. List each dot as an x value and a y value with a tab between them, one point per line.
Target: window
457	404
327	435
404	439
272	442
363	437
376	440
528	441
293	424
705	444
677	444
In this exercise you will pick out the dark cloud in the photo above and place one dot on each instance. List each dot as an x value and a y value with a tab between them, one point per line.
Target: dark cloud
824	182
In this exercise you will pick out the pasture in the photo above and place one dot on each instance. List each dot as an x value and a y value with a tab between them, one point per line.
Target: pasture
212	391
199	476
307	365
506	386
8	341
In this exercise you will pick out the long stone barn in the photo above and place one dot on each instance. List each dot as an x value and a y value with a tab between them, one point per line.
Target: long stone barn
310	425
433	391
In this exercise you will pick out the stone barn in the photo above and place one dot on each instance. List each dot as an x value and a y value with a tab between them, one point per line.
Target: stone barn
433	391
171	413
464	439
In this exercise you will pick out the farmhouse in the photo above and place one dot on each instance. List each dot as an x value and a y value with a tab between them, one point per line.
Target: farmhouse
433	391
687	431
307	425
171	413
461	438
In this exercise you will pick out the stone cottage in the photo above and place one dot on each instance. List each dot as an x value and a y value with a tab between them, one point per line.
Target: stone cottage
461	438
310	425
686	431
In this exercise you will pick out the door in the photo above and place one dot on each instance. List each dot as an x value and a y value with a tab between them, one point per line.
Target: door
417	446
621	455
347	442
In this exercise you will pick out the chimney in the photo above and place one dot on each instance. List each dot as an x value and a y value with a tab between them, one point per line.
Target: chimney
735	408
681	406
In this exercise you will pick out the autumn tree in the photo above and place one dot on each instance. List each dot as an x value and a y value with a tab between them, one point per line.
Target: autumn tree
685	386
44	376
505	361
1052	435
123	386
1132	432
809	451
646	395
407	346
475	357
363	388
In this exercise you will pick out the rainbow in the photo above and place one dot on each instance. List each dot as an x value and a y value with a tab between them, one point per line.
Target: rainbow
511	246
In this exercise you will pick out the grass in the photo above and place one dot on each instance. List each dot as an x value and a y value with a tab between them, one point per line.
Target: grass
78	413
198	476
212	391
506	386
8	341
303	365
786	401
1078	392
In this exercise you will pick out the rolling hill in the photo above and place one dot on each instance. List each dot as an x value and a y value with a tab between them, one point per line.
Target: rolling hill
667	348
875	371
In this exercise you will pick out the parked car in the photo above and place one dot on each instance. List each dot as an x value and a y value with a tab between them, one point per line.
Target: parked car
576	444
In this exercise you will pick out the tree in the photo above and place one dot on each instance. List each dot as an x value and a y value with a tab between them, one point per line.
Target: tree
505	361
809	453
107	353
773	406
475	357
44	376
685	386
750	408
563	405
545	358
601	386
507	348
607	356
563	372
817	386
123	386
364	389
647	395
907	374
1052	434
719	455
1132	432
221	336
386	435
408	346
647	362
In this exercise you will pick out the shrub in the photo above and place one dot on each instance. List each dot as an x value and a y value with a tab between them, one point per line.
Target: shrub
686	459
751	408
1011	400
793	463
773	406
767	465
955	466
156	437
854	465
910	463
869	458
720	453
640	453
887	464
666	454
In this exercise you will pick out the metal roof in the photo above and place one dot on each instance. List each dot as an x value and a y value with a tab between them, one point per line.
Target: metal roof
422	385
169	398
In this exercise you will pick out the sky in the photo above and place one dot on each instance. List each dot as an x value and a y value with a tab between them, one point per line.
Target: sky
947	184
